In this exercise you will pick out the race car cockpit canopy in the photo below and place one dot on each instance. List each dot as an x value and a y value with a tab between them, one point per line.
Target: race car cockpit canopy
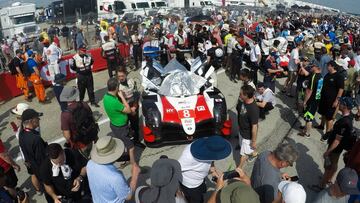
179	81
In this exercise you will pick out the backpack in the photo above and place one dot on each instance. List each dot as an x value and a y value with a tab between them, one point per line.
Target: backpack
12	67
85	125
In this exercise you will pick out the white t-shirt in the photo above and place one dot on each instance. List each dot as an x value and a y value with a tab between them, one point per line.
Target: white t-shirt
254	52
231	44
293	57
193	171
267	96
270	32
102	35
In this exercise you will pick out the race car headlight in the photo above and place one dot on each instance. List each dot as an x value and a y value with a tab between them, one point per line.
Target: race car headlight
152	118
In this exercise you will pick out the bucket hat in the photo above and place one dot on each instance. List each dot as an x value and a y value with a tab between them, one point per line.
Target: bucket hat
238	192
69	94
165	181
107	150
210	148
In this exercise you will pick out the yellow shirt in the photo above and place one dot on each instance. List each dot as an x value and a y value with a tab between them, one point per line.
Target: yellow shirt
226	38
328	48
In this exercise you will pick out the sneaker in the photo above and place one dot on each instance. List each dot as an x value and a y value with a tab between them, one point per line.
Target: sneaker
95	105
251	158
28	99
302	134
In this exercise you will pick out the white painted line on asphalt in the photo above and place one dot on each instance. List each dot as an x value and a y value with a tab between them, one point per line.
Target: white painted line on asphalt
220	71
62	139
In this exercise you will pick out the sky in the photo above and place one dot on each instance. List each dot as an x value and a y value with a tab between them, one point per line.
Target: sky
352	6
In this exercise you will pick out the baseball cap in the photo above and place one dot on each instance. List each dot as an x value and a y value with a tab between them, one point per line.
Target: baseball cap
347	180
20	108
59	78
19	51
292	192
347	101
29	114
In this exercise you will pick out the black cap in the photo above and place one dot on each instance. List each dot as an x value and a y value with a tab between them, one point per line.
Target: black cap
19	51
29	114
59	78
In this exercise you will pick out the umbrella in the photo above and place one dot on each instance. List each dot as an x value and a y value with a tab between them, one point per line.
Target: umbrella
201	19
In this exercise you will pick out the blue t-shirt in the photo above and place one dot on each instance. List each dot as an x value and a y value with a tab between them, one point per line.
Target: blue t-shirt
31	63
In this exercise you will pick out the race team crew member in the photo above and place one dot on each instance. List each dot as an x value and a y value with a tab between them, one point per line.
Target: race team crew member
21	80
82	64
52	55
128	87
137	50
34	78
32	145
109	52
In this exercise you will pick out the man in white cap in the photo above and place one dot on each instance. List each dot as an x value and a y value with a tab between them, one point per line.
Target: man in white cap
107	183
290	192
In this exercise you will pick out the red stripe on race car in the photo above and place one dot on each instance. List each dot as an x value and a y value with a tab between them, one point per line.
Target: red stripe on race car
169	112
202	111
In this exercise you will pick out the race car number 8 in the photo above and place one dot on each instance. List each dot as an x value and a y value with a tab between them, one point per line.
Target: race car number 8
186	114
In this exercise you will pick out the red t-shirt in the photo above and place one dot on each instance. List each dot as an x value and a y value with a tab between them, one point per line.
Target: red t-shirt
3	164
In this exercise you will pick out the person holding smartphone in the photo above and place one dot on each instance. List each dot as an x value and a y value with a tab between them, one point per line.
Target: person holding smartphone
238	190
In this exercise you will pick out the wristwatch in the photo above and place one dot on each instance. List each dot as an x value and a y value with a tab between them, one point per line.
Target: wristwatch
81	178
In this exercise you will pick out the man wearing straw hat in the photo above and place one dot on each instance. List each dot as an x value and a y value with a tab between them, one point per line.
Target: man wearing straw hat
107	183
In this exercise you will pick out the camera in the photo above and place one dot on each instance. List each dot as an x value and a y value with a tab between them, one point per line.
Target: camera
20	194
227	175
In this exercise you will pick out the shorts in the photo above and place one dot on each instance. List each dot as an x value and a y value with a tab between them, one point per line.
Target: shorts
310	111
292	76
11	178
326	110
245	147
122	133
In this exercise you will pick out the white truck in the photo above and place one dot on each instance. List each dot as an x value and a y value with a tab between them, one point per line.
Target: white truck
246	3
189	3
19	18
110	9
